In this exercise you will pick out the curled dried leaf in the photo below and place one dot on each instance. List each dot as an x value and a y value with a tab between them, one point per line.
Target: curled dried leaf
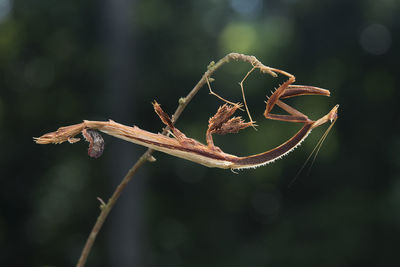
222	116
163	116
234	125
96	142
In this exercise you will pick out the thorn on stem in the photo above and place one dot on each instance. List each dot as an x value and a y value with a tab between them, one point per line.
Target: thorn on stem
211	65
73	140
102	203
182	100
151	159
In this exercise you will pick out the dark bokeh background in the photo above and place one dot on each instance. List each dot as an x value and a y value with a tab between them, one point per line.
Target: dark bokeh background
64	61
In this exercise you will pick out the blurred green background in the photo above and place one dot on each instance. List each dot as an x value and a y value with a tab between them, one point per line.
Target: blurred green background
65	61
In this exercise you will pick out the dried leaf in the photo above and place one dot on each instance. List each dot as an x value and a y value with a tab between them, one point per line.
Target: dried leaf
223	114
96	143
163	116
234	125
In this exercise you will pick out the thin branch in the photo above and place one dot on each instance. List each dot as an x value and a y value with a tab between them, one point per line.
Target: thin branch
183	102
105	209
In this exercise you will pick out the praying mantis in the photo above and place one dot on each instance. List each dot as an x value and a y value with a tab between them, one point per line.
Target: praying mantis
179	145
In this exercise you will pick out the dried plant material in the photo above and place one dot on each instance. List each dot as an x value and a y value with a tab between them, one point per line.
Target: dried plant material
233	125
163	116
167	121
63	134
223	114
222	123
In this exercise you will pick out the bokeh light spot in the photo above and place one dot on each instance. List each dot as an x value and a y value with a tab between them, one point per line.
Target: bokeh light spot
238	37
376	39
154	14
247	7
5	8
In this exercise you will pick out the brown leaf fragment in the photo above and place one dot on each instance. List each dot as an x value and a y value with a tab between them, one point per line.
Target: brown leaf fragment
222	123
234	125
222	116
167	121
63	134
163	116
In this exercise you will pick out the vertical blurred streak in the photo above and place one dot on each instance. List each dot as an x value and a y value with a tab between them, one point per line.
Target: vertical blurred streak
125	221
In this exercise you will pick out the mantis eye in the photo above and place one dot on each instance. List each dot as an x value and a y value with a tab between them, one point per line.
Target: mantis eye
96	143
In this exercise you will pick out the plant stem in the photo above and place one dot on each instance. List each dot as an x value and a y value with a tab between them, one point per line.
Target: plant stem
105	209
183	102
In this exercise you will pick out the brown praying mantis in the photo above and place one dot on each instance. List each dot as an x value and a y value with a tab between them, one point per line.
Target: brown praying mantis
179	145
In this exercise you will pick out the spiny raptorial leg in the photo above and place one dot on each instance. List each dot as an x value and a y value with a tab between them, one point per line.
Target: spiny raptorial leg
287	90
